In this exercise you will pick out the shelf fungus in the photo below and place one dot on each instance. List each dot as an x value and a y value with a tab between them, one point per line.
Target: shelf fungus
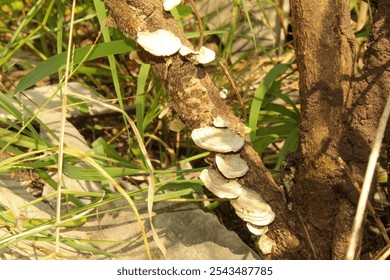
265	244
204	56
164	43
251	208
184	50
223	93
231	165
159	43
220	140
257	230
220	122
219	186
170	4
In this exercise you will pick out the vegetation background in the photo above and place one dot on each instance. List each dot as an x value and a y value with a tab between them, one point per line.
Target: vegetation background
131	141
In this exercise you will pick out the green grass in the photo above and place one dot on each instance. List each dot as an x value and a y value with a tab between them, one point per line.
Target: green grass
102	64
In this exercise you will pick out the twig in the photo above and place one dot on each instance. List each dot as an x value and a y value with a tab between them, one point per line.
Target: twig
361	208
308	236
239	98
370	208
200	23
384	253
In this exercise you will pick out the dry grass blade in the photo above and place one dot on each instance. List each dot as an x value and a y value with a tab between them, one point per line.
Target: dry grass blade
240	100
200	23
361	208
384	253
62	131
151	180
84	157
370	208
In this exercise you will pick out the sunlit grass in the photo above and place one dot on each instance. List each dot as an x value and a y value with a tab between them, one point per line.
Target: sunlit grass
102	64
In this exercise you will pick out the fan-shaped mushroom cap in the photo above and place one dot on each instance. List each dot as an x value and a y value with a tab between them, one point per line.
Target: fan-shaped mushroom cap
220	122
220	140
265	244
231	165
170	4
205	55
223	93
159	43
218	185
256	230
184	50
251	208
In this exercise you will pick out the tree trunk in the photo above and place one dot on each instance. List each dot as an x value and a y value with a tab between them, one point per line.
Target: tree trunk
340	114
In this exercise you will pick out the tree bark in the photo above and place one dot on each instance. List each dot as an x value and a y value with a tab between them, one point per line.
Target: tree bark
340	114
196	100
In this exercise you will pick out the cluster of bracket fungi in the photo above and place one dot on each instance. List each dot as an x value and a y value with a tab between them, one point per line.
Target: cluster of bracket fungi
222	178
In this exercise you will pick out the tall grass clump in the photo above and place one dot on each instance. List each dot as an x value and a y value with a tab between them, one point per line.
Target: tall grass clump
53	42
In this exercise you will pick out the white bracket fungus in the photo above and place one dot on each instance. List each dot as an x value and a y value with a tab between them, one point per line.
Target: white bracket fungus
257	230
251	208
205	55
223	93
265	244
231	165
170	4
164	43
220	122
159	43
220	140
219	186
184	51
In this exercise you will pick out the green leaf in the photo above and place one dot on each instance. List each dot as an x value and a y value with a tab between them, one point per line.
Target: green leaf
261	91
290	145
282	130
22	140
84	247
141	97
101	147
52	64
281	109
91	174
194	185
261	143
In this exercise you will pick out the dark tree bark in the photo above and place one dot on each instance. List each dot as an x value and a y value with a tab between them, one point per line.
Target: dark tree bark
340	114
333	102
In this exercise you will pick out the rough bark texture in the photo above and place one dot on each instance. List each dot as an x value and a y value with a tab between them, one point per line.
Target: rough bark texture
369	93
196	100
340	114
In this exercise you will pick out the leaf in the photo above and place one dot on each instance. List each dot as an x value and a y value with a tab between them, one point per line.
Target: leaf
194	185
261	143
283	111
91	174
290	145
261	90
141	97
22	140
281	130
52	64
